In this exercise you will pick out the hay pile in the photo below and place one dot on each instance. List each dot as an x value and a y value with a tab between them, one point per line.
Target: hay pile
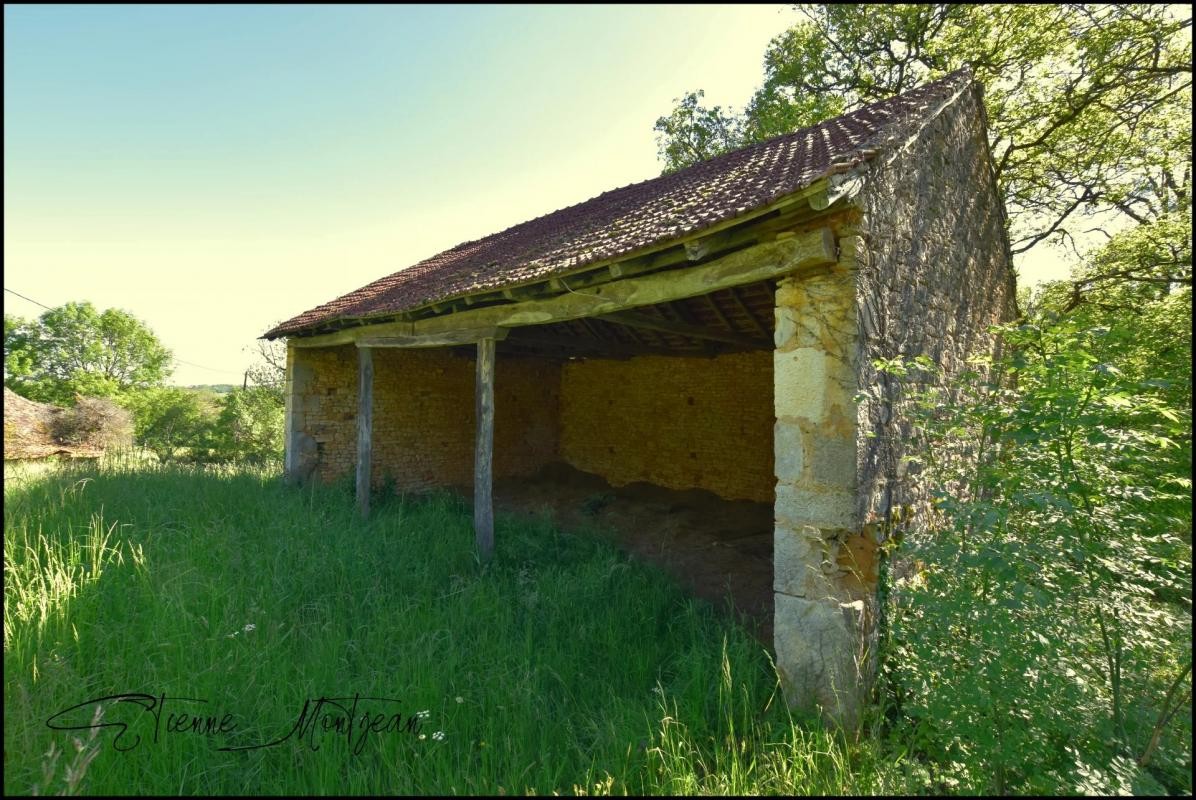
29	431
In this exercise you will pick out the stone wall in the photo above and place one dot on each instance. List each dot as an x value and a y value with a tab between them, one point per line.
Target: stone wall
424	414
822	566
935	272
677	422
925	271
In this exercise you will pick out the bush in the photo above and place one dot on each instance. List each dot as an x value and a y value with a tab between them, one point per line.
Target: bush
1043	621
170	420
249	427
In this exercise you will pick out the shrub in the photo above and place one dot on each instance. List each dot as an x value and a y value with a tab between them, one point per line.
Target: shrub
172	419
1036	643
249	427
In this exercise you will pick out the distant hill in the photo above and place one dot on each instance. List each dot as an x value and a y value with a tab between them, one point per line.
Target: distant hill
218	388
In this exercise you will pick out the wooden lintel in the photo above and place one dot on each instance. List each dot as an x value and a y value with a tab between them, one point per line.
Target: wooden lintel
806	252
445	339
698	249
483	502
633	320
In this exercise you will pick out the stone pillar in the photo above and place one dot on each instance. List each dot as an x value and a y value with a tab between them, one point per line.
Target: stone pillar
820	598
299	447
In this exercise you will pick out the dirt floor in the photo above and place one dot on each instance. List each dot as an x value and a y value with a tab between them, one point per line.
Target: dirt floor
719	550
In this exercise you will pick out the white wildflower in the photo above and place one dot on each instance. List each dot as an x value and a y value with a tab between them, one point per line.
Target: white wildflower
438	736
424	714
460	700
248	627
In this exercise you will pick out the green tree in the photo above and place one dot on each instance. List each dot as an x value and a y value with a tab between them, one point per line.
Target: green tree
171	419
1088	105
1138	287
18	361
249	427
270	369
1043	613
1043	642
76	350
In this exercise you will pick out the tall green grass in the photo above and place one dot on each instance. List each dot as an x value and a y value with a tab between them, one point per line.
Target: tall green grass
560	667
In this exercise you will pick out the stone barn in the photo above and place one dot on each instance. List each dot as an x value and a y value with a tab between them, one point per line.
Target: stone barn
713	329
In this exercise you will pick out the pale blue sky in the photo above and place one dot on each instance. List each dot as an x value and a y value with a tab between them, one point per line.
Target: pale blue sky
216	169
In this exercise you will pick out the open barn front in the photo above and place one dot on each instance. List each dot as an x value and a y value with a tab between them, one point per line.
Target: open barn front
699	404
665	440
654	427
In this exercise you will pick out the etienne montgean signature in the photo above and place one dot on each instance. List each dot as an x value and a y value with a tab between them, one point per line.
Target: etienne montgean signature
355	718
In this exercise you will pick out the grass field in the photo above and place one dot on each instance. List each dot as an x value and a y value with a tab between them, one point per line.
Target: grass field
560	667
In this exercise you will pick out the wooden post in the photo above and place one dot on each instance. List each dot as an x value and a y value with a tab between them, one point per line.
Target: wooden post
483	508
365	424
290	453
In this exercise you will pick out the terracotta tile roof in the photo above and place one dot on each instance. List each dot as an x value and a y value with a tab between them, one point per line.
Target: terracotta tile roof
640	215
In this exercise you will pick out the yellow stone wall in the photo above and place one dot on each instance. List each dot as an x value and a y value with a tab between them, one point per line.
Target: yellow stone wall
424	415
677	422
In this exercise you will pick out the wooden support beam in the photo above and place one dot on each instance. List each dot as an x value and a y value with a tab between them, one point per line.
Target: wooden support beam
445	339
365	425
483	460
748	313
718	312
810	251
634	320
700	248
592	330
634	334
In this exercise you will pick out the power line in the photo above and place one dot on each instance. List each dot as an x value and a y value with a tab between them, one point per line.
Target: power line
175	358
212	369
30	299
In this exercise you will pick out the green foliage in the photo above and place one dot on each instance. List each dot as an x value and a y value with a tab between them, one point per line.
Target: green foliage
76	350
1046	602
171	422
1139	286
1088	105
249	427
693	133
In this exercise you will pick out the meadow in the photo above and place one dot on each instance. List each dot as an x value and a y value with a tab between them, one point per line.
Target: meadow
216	607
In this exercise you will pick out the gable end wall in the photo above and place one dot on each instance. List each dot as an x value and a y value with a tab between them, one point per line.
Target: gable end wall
934	273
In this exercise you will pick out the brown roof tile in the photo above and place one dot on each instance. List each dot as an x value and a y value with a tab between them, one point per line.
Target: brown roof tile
640	215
